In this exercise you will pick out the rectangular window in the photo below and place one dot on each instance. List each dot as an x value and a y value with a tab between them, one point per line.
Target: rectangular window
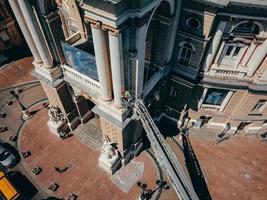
259	106
231	54
215	97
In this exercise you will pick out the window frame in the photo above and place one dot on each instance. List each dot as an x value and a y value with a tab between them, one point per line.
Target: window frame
230	62
188	49
259	106
220	107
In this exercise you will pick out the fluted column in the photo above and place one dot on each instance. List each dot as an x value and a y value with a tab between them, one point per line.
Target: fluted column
257	58
116	60
102	62
214	46
36	32
25	30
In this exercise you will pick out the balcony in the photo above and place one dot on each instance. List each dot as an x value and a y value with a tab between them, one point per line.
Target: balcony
208	107
80	69
80	80
227	73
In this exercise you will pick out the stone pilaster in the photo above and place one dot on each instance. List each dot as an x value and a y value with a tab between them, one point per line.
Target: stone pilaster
213	48
257	58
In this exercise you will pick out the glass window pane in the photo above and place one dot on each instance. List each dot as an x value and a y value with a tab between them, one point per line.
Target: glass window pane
80	60
237	49
183	52
229	50
215	96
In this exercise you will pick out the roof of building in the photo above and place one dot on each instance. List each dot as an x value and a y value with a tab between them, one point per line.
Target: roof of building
223	3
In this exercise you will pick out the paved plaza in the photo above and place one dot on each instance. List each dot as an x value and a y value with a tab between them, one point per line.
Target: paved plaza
233	169
83	176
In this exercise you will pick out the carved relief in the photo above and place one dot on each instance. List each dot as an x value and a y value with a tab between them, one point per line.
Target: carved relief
55	115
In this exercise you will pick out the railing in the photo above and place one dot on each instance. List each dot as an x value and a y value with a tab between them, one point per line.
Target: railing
223	73
210	107
164	155
82	79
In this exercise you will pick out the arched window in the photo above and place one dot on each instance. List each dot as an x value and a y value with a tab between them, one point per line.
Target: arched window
247	27
185	53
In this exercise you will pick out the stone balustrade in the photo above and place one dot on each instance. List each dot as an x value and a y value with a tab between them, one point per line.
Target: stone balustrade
76	76
224	73
207	107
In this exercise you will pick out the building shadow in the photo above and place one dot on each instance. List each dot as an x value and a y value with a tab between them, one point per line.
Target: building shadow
168	128
195	172
26	189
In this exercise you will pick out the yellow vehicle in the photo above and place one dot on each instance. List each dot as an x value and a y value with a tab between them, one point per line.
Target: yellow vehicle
7	190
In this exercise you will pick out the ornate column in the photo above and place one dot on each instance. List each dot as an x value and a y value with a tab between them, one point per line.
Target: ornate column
257	58
102	61
36	32
214	46
25	30
116	60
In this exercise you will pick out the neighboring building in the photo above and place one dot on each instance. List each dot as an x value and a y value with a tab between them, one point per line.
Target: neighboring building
204	57
10	36
220	64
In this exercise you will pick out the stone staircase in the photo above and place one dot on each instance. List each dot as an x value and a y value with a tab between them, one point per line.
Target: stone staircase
90	133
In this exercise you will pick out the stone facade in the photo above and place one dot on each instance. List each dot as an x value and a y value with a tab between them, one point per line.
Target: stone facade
198	56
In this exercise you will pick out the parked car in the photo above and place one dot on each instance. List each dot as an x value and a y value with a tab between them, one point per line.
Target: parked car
7	159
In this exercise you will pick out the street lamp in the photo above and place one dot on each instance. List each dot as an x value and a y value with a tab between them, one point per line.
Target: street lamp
25	112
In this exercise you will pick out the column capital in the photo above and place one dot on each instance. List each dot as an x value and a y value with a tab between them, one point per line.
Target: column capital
111	30
114	33
93	23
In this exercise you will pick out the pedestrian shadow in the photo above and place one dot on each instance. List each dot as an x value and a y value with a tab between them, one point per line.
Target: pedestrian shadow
195	172
26	189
